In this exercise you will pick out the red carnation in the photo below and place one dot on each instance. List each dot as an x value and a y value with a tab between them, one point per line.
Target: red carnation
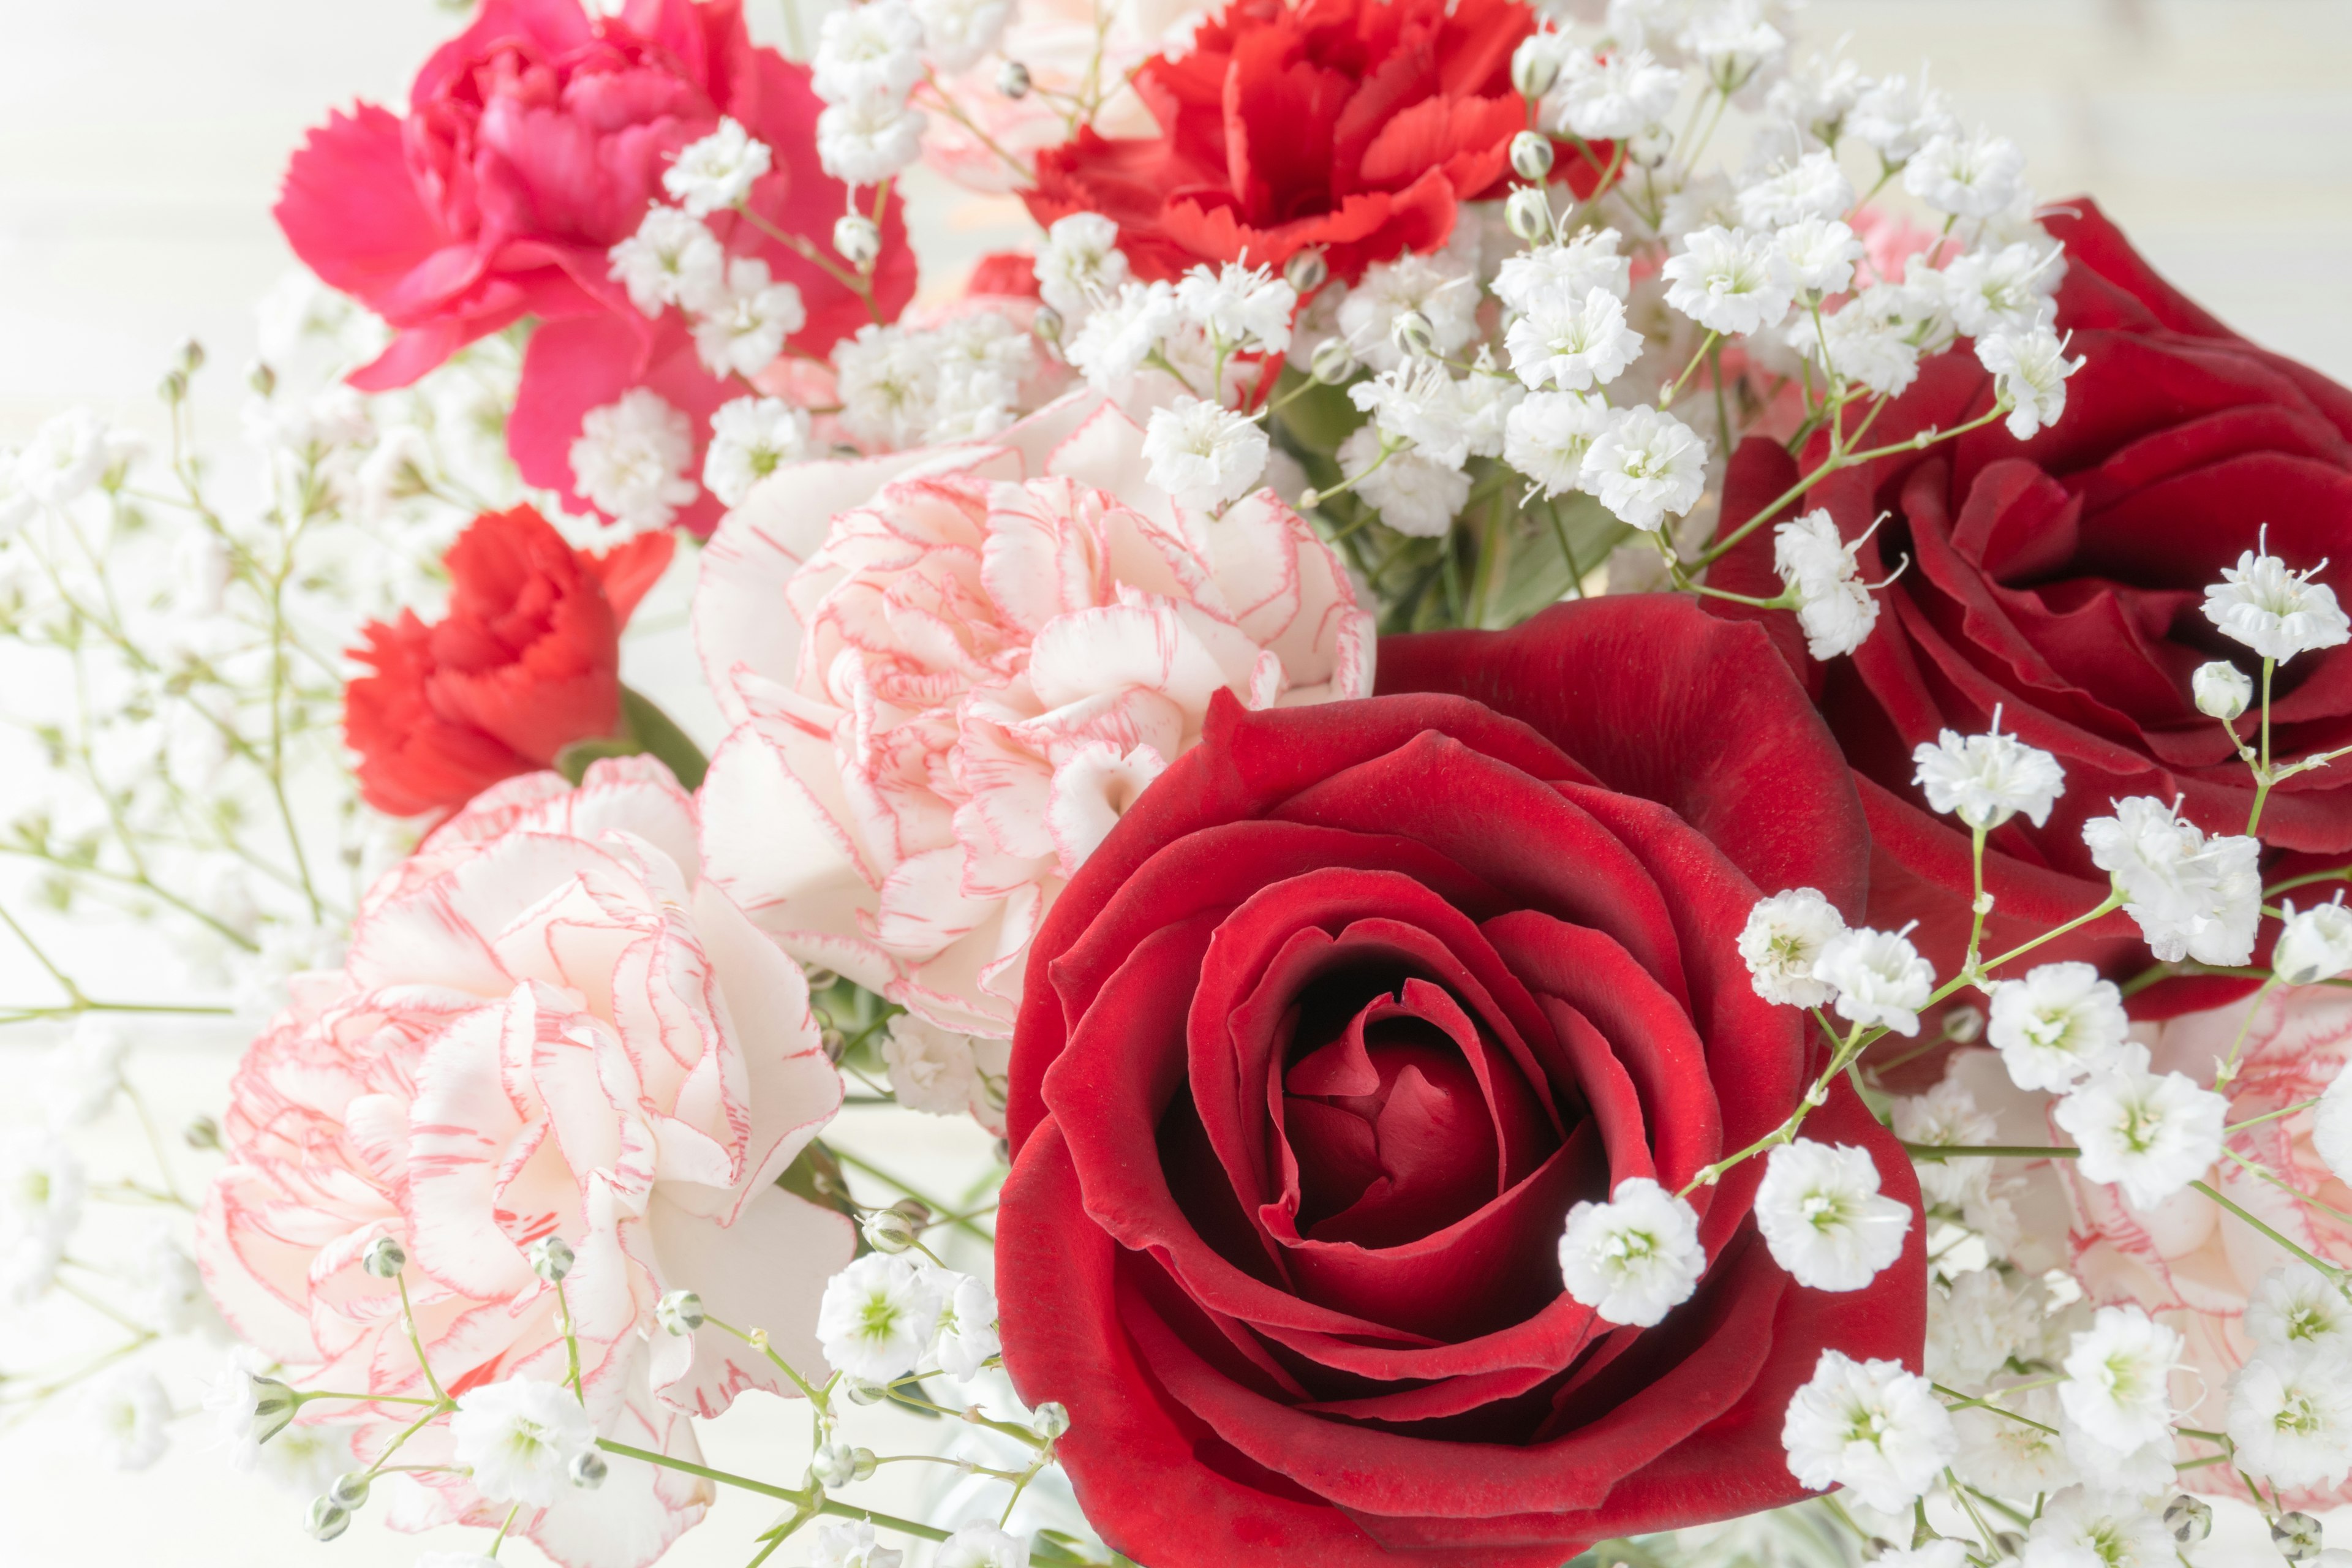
525	661
1357	125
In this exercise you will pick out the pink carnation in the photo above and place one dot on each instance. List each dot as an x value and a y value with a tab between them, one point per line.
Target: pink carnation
547	1027
945	695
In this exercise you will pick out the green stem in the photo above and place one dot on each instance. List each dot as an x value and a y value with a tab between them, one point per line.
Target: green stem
2211	1191
1995	1150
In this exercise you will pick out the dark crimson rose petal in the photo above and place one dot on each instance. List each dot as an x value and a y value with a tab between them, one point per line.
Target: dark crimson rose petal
525	662
1324	1042
2058	581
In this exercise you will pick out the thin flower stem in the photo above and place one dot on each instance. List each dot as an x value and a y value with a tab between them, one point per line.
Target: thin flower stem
2211	1191
1668	393
571	1342
956	112
1968	1402
1995	1150
946	1212
2263	776
783	1494
2263	1172
2228	1068
2269	1116
65	982
417	1343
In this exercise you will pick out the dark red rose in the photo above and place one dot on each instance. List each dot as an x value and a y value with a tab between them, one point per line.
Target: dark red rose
1321	1045
534	141
525	661
1357	125
2061	580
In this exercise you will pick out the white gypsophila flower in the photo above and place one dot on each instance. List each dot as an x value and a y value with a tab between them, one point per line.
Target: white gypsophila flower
1442	286
1572	343
983	358
1123	331
741	328
873	50
1080	264
2084	1528
1823	1216
1607	100
2331	1127
2013	1459
67	456
878	1316
958	32
1817	95
2290	1419
1413	494
2314	945
1879	977
2295	1310
930	1067
887	386
519	1437
1812	187
2150	1134
1869	342
1483	403
1204	456
1895	117
2276	612
968	1328
2222	690
1244	307
1783	941
1546	436
2193	897
82	1074
851	1546
672	259
1869	1426
1821	253
630	458
1815	564
248	1408
1420	402
1985	780
864	140
1731	41
1948	1115
1729	280
2118	1377
750	439
717	171
981	1544
1646	467
2009	290
2058	1023
41	1193
1968	176
128	1417
1941	1552
2029	368
1570	270
1699	201
1978	1322
2140	1472
1636	1257
167	1292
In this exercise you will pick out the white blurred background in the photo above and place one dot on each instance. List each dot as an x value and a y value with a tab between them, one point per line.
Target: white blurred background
140	144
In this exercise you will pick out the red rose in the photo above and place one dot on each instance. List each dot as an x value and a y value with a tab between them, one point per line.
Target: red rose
1321	1045
525	661
533	143
2061	580
1357	125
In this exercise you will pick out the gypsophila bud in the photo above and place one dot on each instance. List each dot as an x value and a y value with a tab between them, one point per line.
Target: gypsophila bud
862	1392
863	1463
888	1230
1647	148
1535	66
856	240
327	1519
1307	270
349	1491
201	1132
551	1257
1047	324
1963	1023
173	386
679	1312
1334	362
384	1259
1527	213
261	379
1532	155
1050	1420
588	1469
192	355
834	1042
2222	690
2314	945
1413	334
2296	1536
1013	79
833	1464
2188	1518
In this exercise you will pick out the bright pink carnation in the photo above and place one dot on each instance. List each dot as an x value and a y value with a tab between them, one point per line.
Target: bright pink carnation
547	1027
533	143
950	671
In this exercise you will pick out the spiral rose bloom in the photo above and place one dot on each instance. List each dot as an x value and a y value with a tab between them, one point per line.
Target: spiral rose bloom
950	672
526	661
547	1025
1357	125
533	143
2061	580
2191	1263
1321	1047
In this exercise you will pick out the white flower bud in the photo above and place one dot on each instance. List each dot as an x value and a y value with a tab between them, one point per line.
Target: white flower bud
1527	211
1532	155
201	1132
384	1259
856	240
833	1464
1535	66
2296	1536
1047	324
1334	362
349	1491
2189	1518
1013	79
327	1519
1051	1419
1305	270
1647	148
888	1230
551	1257
2314	945
2222	689
679	1312
588	1469
862	1392
1413	335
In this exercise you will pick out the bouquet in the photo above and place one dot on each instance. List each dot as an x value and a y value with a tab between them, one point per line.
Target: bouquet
1589	785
